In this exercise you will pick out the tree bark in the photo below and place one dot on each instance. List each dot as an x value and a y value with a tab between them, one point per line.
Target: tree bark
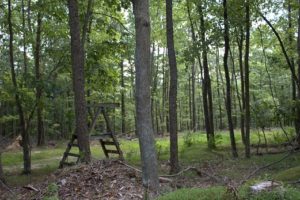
77	59
227	76
207	83
193	102
143	99
247	89
240	42
298	88
24	133
39	88
1	169
24	39
218	89
123	110
173	90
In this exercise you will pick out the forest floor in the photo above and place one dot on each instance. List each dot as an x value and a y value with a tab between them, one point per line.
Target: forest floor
206	169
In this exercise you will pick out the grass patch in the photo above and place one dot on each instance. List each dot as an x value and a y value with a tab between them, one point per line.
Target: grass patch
192	151
195	194
292	174
220	193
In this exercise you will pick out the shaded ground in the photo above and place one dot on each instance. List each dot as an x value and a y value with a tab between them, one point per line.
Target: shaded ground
112	180
106	179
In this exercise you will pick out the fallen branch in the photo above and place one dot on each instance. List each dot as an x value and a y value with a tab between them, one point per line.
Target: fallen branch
161	178
6	187
165	177
267	166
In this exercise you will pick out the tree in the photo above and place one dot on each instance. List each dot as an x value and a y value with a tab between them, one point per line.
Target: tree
228	87
298	86
40	123
207	93
24	130
77	59
173	89
142	95
123	110
247	90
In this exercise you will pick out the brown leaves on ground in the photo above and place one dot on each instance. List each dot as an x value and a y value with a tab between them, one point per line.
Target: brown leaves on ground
105	179
100	180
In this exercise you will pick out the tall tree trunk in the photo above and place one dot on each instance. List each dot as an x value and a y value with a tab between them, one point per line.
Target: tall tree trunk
190	125
194	125
247	90
294	91
123	111
298	87
193	104
163	95
24	39
218	88
152	72
240	41
2	179
227	76
173	90
38	77
77	58
143	99
24	133
234	79
207	83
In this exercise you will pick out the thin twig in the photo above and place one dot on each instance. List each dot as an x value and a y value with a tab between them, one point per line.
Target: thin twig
6	187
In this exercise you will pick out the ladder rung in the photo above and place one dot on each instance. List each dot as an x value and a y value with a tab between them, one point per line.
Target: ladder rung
74	145
73	154
112	151
68	163
109	143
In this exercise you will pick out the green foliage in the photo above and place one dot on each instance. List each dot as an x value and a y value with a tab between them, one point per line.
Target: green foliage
188	139
52	192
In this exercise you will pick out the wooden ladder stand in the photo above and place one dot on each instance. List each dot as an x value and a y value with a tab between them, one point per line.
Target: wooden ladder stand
107	139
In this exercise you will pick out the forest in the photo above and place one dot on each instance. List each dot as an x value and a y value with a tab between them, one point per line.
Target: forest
140	99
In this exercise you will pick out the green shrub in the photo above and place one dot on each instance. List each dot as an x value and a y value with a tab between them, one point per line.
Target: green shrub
52	192
188	139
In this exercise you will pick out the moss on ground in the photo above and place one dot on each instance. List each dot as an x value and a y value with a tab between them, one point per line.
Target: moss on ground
292	174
